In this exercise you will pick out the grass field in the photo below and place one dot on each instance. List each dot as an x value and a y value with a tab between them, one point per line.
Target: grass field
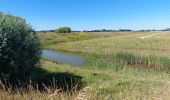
119	66
125	42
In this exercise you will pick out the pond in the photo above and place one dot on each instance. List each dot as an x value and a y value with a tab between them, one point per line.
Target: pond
65	58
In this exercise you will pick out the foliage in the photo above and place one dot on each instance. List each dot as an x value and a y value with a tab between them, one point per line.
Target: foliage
63	30
19	48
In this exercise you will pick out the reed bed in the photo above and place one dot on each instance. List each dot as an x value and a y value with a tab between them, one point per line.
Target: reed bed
130	59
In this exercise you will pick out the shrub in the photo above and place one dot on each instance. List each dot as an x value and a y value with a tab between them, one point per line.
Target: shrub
19	49
63	30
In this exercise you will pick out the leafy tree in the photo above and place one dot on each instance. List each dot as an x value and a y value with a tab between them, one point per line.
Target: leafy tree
63	30
19	49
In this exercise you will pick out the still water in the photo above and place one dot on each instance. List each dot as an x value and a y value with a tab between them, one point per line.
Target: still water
65	58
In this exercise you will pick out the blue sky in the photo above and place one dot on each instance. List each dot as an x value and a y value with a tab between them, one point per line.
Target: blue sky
91	14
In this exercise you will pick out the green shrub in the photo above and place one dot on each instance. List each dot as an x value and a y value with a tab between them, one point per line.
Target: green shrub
63	30
19	49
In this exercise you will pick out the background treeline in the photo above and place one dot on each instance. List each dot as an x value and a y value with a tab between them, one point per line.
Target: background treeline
107	30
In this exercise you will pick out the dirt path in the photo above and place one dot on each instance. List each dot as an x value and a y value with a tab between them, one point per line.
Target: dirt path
147	36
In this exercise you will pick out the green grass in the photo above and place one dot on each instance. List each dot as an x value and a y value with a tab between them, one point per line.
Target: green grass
119	58
125	42
104	83
118	66
126	83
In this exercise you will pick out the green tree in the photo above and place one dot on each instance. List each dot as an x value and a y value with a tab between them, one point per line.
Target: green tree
63	30
19	48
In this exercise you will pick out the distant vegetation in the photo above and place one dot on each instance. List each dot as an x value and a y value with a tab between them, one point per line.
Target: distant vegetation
109	30
19	49
63	30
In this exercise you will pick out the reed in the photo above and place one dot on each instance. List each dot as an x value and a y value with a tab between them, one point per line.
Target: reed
119	58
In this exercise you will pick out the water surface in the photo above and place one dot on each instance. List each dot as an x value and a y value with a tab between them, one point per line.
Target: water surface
65	58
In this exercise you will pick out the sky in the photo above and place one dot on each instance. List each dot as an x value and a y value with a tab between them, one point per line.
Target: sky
91	14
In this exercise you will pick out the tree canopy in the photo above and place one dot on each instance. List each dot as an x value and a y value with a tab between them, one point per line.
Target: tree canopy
19	48
63	30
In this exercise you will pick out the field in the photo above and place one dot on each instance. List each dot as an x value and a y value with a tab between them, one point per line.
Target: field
119	66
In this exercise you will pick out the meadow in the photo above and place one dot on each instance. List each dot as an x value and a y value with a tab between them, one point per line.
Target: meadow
119	66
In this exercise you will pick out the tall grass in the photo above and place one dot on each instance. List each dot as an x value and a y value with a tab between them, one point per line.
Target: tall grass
102	83
117	59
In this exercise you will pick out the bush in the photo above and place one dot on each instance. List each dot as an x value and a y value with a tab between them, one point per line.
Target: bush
63	30
19	49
